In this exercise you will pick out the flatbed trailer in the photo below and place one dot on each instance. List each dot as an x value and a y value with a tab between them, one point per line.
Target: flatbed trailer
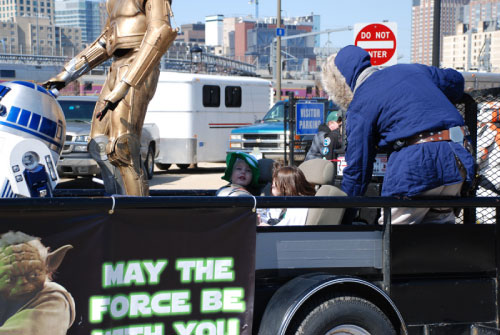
415	279
359	279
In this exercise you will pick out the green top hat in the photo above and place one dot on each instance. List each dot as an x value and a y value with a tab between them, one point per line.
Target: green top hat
249	159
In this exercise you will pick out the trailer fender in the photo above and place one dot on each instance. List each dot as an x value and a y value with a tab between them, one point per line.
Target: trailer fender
287	301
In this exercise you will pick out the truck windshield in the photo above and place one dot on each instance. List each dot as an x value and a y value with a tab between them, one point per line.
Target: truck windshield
276	113
78	110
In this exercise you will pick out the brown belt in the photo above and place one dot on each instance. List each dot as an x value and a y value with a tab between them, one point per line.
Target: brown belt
432	136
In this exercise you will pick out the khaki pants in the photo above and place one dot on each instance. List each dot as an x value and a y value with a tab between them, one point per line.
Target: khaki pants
405	215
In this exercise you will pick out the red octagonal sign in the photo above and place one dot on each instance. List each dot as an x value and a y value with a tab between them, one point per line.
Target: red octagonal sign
380	42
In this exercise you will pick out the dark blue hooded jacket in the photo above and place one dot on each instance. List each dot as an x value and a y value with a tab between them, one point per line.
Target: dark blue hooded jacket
395	103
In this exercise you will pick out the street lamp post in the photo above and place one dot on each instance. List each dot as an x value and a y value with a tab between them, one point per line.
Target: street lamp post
436	34
196	50
278	54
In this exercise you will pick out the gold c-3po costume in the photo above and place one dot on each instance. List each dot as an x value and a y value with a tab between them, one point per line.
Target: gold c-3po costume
136	35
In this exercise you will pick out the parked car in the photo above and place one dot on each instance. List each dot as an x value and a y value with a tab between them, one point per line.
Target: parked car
266	138
75	159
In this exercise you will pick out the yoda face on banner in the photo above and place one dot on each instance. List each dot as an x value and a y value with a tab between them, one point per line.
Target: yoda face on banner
26	264
31	303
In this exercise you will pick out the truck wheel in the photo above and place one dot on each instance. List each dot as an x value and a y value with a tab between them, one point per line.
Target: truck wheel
149	162
163	167
183	166
343	316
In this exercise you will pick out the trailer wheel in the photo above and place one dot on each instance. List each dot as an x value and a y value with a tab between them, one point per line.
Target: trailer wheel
149	162
163	167
345	316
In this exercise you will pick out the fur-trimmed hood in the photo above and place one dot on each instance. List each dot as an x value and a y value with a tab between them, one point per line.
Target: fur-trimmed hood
341	71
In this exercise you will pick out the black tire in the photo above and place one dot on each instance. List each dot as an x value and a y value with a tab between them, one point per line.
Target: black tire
149	162
342	316
183	166
163	167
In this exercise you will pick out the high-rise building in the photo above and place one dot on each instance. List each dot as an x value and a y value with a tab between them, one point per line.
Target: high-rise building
422	26
480	15
11	9
214	28
83	14
27	27
476	45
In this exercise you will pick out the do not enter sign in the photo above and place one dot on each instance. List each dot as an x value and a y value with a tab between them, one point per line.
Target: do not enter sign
379	40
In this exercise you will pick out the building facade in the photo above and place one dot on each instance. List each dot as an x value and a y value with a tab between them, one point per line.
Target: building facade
10	10
83	14
28	27
249	40
422	26
214	28
192	33
476	45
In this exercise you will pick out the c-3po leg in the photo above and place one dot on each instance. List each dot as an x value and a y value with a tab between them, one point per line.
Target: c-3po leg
113	183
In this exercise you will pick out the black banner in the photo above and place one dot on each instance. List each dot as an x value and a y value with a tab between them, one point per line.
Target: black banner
136	271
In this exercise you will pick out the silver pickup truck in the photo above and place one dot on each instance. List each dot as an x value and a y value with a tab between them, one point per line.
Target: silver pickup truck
75	160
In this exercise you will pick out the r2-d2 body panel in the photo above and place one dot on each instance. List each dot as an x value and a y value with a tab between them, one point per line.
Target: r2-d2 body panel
32	133
27	168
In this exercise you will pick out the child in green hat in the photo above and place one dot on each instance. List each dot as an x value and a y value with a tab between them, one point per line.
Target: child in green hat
242	173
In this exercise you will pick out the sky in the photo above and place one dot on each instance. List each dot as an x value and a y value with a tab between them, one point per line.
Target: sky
334	14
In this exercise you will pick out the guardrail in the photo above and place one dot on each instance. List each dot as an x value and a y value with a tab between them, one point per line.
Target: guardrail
191	198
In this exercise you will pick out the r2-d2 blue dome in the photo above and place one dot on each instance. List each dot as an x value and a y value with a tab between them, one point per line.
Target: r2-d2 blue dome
30	111
32	134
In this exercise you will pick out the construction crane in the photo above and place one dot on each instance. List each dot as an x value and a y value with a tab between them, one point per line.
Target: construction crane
273	48
256	2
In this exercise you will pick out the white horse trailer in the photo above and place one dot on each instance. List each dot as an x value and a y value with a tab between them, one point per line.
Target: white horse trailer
196	112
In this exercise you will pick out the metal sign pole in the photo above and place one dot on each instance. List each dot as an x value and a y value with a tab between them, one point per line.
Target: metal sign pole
278	54
291	128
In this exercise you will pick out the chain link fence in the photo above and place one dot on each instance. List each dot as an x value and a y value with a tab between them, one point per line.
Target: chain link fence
481	111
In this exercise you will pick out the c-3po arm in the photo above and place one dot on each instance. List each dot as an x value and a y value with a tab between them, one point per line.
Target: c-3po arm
86	60
158	38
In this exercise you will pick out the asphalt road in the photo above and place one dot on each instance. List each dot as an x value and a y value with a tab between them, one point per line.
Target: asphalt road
206	176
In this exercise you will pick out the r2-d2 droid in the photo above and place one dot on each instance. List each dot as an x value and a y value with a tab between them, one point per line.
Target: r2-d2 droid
32	133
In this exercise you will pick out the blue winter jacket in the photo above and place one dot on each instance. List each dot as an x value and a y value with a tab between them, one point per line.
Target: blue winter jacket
395	103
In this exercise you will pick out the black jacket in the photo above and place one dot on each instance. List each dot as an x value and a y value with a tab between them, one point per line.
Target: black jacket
324	143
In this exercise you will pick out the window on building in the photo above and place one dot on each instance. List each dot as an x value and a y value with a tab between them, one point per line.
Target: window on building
8	73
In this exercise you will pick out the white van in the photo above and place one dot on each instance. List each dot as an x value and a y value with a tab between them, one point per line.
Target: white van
196	113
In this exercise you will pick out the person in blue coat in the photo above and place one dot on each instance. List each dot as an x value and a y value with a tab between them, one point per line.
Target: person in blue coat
408	108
